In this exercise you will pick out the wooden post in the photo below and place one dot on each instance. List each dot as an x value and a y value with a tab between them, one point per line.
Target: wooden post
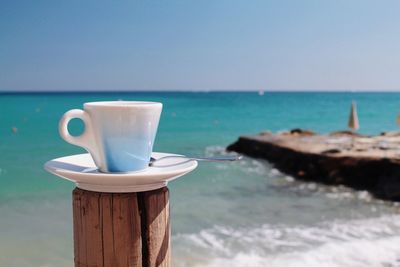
121	229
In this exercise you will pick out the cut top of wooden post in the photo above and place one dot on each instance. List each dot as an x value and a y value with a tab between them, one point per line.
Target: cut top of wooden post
121	229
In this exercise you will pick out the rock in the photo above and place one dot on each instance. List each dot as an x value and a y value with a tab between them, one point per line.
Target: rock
352	162
390	134
331	151
345	133
302	132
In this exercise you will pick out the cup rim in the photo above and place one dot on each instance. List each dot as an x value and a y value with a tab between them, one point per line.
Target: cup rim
122	104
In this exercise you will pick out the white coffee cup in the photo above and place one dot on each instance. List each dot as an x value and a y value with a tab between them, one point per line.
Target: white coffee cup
118	134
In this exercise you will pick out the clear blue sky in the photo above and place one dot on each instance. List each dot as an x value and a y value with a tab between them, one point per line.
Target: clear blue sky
199	45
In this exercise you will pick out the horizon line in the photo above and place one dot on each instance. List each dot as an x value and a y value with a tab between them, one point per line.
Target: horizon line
201	91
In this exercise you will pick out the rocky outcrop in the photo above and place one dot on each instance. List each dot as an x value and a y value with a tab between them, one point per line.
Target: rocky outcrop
361	162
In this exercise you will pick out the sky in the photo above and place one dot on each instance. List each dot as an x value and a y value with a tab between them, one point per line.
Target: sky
199	45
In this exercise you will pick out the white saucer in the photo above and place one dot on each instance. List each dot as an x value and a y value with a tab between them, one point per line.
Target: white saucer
81	170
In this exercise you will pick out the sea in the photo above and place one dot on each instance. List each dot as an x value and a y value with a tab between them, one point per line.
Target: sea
245	213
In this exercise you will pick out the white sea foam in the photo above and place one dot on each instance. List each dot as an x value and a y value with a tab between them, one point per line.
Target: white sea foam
215	150
342	242
247	165
363	242
380	252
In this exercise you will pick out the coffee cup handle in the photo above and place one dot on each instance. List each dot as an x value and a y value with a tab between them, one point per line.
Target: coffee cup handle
86	139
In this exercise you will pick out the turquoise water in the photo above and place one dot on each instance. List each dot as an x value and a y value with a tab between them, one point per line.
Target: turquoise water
241	214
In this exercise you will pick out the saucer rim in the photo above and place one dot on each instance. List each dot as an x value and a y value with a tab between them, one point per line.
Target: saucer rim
117	182
49	168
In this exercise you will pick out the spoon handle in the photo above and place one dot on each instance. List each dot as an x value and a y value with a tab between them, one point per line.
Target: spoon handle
216	158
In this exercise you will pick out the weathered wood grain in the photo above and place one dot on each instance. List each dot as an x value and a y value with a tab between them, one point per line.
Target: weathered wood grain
157	228
121	229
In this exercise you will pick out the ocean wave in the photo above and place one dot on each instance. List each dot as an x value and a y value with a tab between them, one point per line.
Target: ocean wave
362	242
276	179
216	150
246	165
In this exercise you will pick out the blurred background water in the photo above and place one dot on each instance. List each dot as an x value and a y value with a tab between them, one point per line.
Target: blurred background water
237	214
